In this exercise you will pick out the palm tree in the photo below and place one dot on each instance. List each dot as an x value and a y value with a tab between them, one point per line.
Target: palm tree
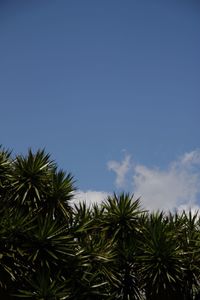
161	259
100	275
5	176
31	180
30	239
189	239
61	192
44	286
7	255
47	249
121	226
13	266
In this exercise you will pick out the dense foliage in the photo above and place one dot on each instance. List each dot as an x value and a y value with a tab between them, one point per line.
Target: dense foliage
53	249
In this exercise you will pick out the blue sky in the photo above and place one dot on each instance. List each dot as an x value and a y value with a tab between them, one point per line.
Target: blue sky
110	88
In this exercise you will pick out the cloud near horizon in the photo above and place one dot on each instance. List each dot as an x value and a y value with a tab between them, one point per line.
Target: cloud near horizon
90	197
176	187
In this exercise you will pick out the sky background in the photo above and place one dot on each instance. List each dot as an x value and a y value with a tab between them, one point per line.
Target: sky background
111	89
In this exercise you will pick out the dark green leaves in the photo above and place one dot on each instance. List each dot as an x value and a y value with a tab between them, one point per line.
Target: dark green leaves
51	249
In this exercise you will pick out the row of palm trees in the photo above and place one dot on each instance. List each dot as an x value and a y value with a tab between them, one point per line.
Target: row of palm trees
51	248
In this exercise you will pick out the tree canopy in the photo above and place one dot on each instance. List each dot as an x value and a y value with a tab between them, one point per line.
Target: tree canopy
51	248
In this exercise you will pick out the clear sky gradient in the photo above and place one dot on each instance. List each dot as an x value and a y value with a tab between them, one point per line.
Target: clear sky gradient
105	86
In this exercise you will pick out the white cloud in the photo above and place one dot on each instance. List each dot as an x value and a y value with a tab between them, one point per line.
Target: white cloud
194	208
121	169
176	187
90	197
190	158
165	189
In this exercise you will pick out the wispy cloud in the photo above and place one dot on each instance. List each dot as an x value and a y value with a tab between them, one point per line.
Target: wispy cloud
191	158
121	169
